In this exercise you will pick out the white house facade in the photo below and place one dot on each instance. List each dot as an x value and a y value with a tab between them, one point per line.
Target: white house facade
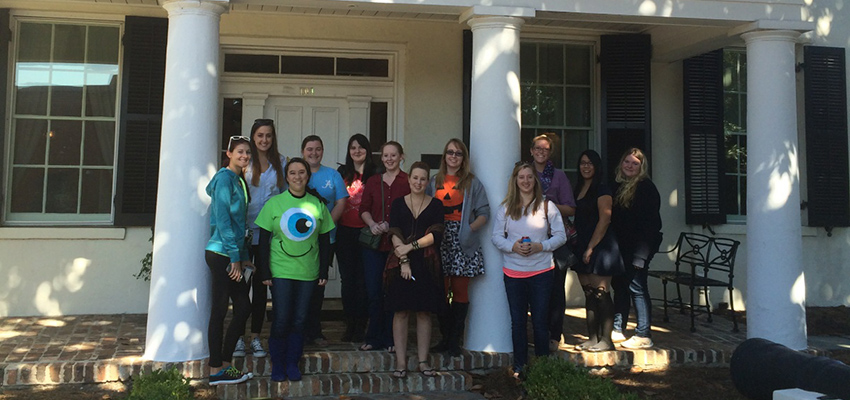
115	114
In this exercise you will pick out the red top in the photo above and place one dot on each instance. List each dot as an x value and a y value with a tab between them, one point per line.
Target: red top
380	210
351	214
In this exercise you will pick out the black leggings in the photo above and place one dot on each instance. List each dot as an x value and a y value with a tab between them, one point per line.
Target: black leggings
224	289
259	297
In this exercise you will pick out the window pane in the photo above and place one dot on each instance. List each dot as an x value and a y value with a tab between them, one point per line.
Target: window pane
743	197
30	141
577	107
32	81
96	196
256	63
100	94
551	103
62	187
551	63
307	65
67	101
528	63
362	67
34	42
525	136
730	194
65	137
528	105
28	189
732	153
378	128
99	146
231	120
103	45
732	112
70	43
575	142
578	65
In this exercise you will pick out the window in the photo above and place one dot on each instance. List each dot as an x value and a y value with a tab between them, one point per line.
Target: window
63	123
557	97
735	133
306	65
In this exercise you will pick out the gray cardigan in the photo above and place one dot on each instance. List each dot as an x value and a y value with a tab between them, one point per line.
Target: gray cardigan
475	203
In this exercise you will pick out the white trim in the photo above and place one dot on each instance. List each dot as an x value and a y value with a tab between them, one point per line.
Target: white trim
65	233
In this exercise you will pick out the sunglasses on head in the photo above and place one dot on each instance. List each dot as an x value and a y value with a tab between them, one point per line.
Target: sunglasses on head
522	163
238	138
263	121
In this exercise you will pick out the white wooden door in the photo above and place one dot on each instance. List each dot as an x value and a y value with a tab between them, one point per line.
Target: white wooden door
298	117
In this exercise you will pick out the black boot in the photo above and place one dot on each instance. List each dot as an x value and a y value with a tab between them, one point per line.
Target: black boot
349	330
606	322
446	322
591	306
359	330
277	355
459	311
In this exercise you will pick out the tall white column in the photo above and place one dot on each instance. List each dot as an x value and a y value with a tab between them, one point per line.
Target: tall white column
178	309
495	144
776	295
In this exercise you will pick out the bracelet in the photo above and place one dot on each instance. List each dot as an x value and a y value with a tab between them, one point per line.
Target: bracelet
415	244
404	260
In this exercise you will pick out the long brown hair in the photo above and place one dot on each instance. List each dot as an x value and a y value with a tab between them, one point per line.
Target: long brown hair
464	175
513	200
628	186
272	154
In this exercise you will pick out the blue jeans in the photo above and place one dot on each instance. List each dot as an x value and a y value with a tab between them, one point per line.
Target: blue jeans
524	292
633	285
379	332
290	304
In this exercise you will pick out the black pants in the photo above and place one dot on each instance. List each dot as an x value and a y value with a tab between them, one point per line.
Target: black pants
313	326
223	290
259	296
351	272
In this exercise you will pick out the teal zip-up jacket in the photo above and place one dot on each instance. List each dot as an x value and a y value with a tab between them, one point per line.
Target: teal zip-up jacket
228	212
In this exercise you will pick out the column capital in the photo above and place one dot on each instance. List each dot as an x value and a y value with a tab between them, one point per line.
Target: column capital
771	36
196	7
500	22
495	11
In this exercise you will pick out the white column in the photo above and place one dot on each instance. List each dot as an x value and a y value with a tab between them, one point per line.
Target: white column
495	144
178	309
776	296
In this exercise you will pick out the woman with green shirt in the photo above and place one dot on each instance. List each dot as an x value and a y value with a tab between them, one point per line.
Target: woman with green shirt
294	236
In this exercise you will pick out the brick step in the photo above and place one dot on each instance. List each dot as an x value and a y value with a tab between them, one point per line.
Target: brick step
338	362
339	384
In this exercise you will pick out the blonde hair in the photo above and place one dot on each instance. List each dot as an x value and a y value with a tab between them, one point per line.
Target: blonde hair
464	176
628	185
513	201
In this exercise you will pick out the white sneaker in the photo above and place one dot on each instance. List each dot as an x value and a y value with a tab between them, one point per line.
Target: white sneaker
257	348
637	342
617	337
240	348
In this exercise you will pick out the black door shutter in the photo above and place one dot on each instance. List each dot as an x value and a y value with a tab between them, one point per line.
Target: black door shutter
704	145
141	120
5	38
826	136
625	75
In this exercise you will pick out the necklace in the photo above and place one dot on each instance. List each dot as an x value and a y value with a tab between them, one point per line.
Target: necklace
421	206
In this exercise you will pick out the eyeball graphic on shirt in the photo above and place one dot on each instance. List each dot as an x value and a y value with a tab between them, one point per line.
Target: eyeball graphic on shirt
297	224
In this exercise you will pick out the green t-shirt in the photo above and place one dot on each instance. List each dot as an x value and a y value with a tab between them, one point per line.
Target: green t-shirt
295	224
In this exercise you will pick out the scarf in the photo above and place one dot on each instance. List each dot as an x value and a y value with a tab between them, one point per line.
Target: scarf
546	175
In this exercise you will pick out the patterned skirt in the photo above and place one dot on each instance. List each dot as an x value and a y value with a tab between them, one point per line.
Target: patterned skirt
455	261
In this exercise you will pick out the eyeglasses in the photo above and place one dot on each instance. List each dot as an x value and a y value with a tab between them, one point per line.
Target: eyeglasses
237	138
585	164
264	121
542	149
454	153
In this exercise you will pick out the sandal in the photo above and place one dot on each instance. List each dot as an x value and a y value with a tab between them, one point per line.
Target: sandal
390	349
400	373
429	372
367	347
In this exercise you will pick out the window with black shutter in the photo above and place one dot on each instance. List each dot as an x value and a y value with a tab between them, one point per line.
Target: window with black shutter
625	77
826	136
704	141
141	120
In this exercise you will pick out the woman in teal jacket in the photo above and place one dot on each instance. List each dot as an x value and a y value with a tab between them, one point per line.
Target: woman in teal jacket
227	257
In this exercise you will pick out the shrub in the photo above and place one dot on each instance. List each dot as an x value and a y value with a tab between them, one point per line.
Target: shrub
557	379
161	385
